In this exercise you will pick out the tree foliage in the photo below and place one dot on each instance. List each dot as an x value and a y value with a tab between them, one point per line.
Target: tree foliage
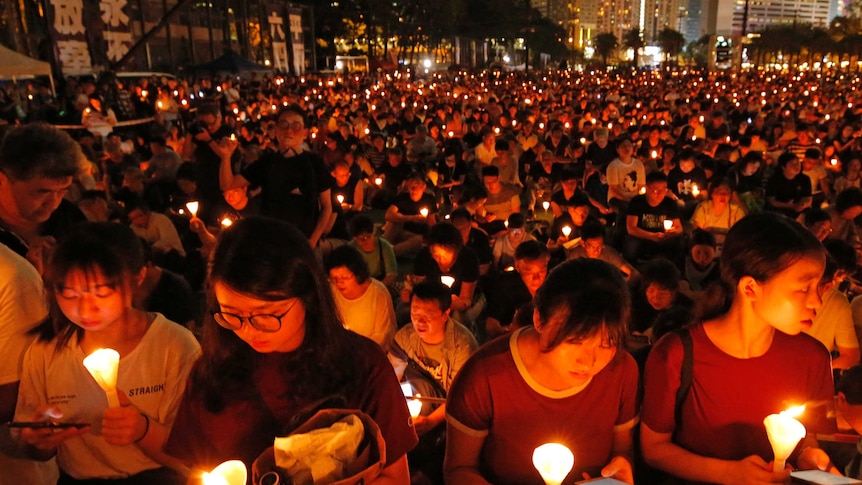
605	45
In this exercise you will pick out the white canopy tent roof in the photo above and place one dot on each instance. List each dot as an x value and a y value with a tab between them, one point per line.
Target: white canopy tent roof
14	65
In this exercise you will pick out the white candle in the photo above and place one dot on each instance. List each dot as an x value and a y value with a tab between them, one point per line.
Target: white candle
668	224
695	191
226	222
554	462
378	181
415	407
340	198
567	231
192	206
642	190
546	205
447	280
423	212
103	365
784	433
231	472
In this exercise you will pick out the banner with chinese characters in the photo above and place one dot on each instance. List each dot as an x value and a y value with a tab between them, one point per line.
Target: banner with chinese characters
296	40
89	34
278	33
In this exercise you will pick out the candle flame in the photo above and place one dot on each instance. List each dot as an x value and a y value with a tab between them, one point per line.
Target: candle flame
553	462
192	206
231	472
794	412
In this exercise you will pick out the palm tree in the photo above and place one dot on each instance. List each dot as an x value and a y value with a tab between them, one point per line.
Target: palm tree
605	44
671	42
633	39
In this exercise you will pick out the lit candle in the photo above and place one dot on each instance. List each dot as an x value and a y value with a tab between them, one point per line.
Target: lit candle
642	190
784	432
509	269
231	472
546	205
340	198
694	190
554	462
103	365
567	231
378	181
654	154
423	212
192	206
668	224
415	407
447	280
233	137
833	162
226	222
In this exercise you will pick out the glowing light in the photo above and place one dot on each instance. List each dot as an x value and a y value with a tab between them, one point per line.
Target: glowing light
447	280
103	365
554	462
193	206
784	432
231	472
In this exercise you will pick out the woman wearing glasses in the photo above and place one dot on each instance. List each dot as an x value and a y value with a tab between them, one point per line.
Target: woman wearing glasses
275	348
90	280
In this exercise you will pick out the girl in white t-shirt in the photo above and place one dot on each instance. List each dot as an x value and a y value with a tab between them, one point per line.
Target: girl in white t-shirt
90	281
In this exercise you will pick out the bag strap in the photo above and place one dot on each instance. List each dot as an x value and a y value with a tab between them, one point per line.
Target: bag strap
686	373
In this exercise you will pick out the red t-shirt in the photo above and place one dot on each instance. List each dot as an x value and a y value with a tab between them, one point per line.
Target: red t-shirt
494	396
722	416
245	428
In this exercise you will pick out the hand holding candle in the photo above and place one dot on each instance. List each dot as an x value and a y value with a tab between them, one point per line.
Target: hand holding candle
784	433
231	472
415	407
554	462
103	365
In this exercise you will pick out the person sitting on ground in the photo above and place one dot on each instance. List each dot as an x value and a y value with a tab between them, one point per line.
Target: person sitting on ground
474	238
158	231
845	210
363	302
510	295
501	201
163	291
409	216
507	244
653	223
789	190
657	293
701	266
376	251
848	404
593	246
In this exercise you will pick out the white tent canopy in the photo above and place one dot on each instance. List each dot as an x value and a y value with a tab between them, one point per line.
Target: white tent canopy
14	65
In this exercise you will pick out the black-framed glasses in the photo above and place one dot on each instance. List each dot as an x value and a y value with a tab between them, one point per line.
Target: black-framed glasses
290	125
263	322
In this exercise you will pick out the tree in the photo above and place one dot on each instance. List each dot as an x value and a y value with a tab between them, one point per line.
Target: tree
671	42
605	44
633	39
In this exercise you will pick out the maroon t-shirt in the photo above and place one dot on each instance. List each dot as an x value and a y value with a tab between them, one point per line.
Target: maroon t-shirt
495	397
722	416
245	428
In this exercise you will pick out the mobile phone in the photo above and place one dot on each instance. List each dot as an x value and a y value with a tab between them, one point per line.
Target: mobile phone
602	481
817	477
45	424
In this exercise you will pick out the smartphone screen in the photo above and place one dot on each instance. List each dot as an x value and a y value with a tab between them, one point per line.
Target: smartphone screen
817	477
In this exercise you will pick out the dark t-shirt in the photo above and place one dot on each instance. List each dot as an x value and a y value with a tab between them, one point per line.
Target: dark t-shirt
652	218
465	269
681	183
173	298
394	176
788	190
408	207
246	427
506	295
207	164
480	244
601	157
291	187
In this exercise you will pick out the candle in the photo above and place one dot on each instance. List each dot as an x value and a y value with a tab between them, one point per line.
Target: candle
654	154
340	198
192	206
668	224
231	472
546	205
553	462
509	269
784	432
103	365
447	280
694	190
642	190
378	181
567	231
415	407
423	212
226	222
233	137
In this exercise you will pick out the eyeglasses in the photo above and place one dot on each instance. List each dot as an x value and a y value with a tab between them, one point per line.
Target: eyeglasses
341	279
264	323
290	125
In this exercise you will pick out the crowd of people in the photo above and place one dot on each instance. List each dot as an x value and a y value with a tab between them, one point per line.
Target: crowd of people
614	261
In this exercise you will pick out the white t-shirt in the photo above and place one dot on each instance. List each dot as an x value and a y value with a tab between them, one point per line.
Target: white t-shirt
833	325
22	307
372	315
626	177
161	233
153	376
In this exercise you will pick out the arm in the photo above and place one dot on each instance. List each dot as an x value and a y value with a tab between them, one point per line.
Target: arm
847	358
424	424
634	231
323	219
461	465
397	473
392	215
660	452
227	179
358	196
463	300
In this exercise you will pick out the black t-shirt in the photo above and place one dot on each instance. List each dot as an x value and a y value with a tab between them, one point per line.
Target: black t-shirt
291	187
480	244
173	298
680	183
394	176
347	191
465	269
506	295
543	179
207	164
652	218
786	190
601	157
408	207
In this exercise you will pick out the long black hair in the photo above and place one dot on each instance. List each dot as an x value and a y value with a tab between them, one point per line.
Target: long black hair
271	260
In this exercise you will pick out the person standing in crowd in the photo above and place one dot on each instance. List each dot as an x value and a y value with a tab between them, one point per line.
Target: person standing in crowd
37	165
274	348
91	280
204	148
509	397
748	326
295	184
